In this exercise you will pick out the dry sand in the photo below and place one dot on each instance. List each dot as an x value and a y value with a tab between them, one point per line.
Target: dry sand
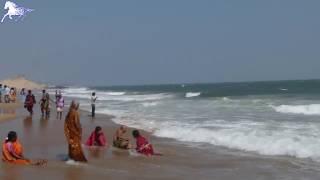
20	82
44	138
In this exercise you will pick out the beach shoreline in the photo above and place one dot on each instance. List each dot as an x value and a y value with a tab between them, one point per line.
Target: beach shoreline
44	138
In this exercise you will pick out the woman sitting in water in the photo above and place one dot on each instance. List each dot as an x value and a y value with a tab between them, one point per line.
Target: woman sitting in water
120	140
97	138
12	152
143	146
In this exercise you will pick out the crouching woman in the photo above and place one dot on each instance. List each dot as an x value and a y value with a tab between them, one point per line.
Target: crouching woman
12	152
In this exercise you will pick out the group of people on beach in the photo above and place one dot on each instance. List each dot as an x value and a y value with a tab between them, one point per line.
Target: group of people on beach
45	103
73	133
8	94
13	150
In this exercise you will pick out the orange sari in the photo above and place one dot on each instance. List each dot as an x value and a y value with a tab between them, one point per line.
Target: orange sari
10	151
73	132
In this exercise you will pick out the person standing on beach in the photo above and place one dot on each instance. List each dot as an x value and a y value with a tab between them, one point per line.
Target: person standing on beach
23	95
42	102
59	105
46	105
13	95
7	94
73	133
29	102
57	95
93	104
1	93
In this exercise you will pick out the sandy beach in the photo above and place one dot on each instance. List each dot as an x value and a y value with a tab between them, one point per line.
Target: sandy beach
44	139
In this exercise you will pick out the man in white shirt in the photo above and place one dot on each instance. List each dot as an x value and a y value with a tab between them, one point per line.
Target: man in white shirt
93	104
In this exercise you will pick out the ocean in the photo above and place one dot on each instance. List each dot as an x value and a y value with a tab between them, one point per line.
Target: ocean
276	118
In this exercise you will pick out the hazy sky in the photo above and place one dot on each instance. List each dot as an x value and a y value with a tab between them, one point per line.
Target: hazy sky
102	42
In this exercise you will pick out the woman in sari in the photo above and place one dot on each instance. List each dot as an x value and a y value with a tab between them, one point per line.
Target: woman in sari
143	146
29	102
13	95
46	105
120	140
12	152
97	138
73	133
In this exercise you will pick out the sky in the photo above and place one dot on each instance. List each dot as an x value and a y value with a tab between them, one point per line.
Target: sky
131	42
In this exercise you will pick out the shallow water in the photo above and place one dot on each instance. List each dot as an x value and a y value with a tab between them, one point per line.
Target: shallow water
267	118
44	138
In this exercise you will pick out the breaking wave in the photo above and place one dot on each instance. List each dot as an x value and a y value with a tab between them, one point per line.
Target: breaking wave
311	109
192	94
266	142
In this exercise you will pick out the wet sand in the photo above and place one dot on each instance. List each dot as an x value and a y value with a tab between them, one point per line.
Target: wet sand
44	139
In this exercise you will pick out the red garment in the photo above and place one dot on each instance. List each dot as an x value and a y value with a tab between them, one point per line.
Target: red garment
96	140
29	102
143	146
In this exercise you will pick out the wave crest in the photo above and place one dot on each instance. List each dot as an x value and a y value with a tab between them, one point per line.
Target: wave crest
192	94
255	140
311	109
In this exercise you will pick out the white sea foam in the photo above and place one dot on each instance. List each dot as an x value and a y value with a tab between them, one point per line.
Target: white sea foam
226	99
311	109
116	93
243	122
85	93
192	94
75	90
143	97
267	142
149	104
74	163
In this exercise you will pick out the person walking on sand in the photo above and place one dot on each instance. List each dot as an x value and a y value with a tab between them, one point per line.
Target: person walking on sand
0	93
13	95
29	102
7	94
46	105
42	102
73	133
23	95
93	104
59	105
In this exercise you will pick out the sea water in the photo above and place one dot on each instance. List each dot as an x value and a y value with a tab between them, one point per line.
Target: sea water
268	118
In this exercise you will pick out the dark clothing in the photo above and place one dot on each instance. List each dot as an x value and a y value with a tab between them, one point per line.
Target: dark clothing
29	102
93	112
